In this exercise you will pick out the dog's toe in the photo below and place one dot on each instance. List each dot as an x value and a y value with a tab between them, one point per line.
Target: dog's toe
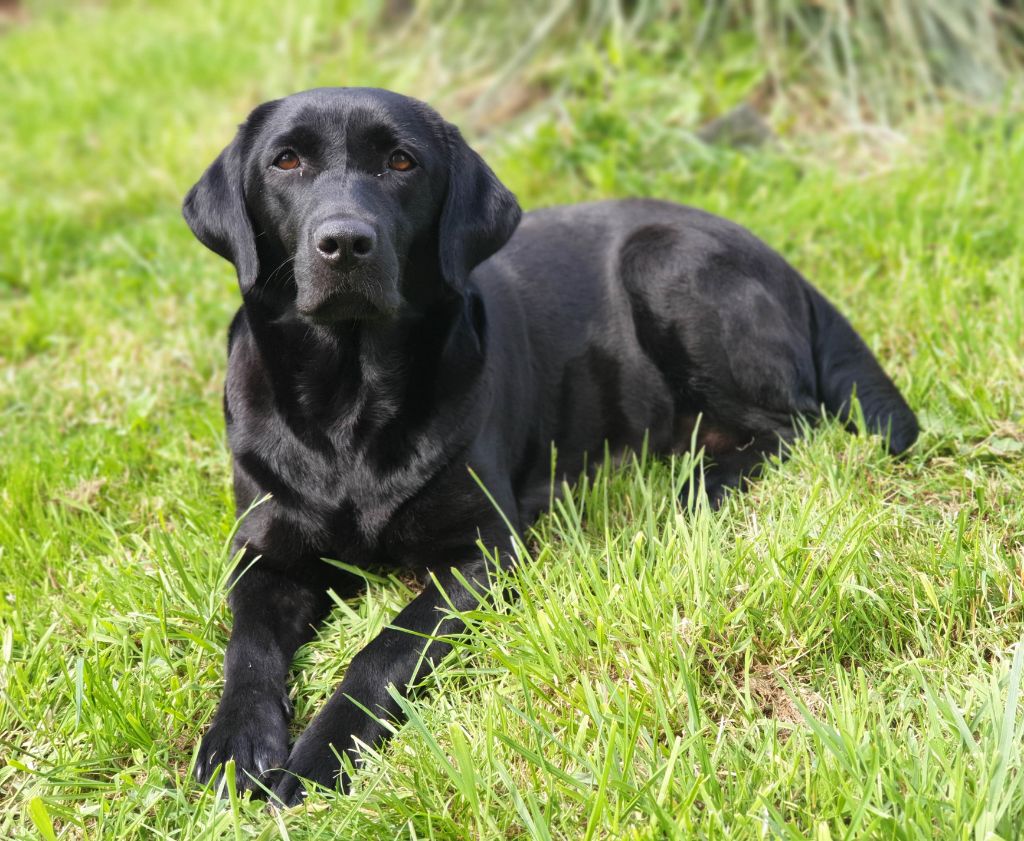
256	740
311	762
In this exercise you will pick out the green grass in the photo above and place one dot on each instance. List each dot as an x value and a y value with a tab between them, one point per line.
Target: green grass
834	655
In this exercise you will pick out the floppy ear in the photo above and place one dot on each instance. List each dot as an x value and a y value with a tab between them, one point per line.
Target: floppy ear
479	213
215	211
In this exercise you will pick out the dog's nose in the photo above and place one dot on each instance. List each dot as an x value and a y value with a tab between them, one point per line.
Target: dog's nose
343	243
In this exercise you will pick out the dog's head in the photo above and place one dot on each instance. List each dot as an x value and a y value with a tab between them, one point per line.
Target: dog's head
349	203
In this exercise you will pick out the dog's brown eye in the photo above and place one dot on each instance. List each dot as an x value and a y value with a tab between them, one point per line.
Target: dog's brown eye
287	160
402	161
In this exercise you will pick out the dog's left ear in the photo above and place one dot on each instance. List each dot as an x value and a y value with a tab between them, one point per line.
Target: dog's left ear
479	215
215	209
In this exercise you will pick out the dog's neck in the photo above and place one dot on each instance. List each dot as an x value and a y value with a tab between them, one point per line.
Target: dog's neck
424	350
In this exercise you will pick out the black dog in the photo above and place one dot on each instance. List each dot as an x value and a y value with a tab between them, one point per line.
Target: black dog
401	327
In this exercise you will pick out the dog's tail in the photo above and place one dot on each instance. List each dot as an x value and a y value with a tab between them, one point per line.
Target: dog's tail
846	367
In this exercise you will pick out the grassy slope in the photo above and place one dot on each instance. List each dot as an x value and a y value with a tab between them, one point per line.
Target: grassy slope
831	655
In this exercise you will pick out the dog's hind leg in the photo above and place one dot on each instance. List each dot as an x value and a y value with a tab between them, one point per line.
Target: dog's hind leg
731	459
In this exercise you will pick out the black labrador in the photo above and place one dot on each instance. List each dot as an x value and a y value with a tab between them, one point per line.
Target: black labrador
403	328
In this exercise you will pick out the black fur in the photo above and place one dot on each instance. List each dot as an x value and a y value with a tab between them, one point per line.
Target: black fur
401	327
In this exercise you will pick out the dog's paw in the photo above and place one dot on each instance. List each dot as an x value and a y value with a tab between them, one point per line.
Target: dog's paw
311	761
254	733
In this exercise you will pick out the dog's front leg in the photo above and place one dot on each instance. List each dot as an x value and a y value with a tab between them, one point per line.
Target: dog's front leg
401	656
273	616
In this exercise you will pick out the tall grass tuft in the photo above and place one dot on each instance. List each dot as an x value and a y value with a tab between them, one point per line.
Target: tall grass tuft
866	61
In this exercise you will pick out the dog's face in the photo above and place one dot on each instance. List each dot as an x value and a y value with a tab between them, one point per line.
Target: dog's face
350	203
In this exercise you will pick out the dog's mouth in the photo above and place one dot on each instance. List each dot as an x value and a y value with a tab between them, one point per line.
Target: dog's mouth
346	305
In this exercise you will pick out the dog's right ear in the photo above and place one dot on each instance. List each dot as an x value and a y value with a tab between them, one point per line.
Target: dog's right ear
215	211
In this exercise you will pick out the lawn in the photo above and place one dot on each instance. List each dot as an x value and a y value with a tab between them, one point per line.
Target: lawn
835	654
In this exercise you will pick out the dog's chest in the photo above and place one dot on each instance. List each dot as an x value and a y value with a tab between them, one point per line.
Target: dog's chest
338	466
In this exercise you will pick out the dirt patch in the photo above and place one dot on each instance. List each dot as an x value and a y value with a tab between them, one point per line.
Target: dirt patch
11	12
85	493
768	690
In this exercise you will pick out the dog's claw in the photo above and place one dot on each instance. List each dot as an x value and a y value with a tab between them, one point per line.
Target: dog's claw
255	738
